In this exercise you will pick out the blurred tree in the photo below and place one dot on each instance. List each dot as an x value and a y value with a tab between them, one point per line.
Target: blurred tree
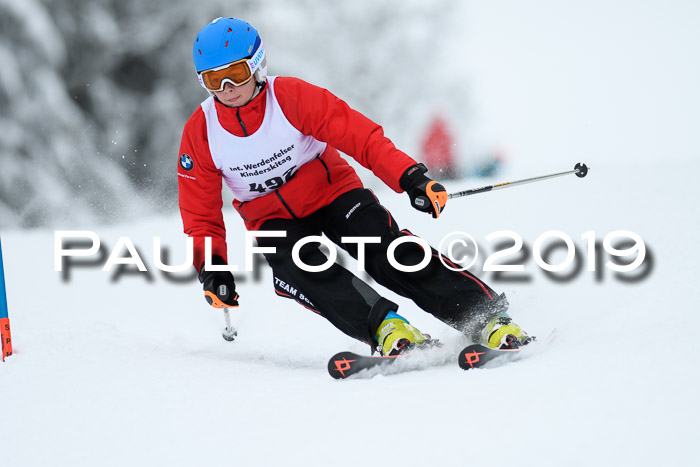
94	93
390	59
91	103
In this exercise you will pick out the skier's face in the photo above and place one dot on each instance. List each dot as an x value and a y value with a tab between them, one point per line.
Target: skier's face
236	96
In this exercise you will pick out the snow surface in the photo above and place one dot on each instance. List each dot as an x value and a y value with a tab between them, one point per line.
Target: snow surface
132	370
135	371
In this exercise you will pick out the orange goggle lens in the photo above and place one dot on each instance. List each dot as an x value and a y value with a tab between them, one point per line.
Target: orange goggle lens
238	73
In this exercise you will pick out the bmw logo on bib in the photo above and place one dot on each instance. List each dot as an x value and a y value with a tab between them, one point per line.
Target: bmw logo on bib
186	162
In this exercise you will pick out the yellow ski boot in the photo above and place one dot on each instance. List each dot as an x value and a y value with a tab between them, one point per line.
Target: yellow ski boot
502	333
395	335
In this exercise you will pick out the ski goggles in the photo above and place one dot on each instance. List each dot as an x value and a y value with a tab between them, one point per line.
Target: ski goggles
237	73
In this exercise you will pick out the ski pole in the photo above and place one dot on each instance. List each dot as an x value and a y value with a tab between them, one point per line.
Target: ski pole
230	332
580	170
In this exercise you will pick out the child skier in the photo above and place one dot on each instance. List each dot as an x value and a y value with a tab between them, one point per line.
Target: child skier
274	141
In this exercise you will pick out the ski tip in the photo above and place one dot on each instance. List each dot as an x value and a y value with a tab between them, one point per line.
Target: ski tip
472	356
551	336
340	365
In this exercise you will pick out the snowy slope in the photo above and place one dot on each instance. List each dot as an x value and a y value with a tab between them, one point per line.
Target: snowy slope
132	370
135	371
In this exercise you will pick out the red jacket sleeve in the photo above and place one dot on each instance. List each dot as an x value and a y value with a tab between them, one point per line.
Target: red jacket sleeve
315	111
199	190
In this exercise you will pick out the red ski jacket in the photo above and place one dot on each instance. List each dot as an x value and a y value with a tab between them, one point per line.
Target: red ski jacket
313	111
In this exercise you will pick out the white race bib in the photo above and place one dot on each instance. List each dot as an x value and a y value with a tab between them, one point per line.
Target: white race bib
255	165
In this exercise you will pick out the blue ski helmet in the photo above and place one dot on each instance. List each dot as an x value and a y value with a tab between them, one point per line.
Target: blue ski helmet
227	40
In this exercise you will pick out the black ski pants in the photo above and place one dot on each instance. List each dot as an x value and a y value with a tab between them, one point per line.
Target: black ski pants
456	298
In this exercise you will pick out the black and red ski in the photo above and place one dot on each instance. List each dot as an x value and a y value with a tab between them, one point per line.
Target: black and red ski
345	364
477	355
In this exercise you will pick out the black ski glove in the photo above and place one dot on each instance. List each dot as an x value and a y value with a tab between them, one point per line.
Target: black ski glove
219	286
426	194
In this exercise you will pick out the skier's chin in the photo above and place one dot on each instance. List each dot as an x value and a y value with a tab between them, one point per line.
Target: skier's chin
234	101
